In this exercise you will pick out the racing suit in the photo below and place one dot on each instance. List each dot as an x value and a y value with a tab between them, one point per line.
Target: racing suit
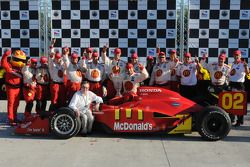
74	77
57	87
42	90
13	80
161	75
29	88
95	75
236	82
187	73
174	83
81	103
110	66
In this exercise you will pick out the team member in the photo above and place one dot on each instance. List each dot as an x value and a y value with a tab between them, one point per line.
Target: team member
86	57
187	74
112	66
149	67
219	72
203	77
161	72
135	62
173	62
29	85
237	75
73	72
43	80
95	75
131	82
57	87
81	102
13	80
116	61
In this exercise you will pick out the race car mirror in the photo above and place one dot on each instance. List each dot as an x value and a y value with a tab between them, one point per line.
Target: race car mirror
233	102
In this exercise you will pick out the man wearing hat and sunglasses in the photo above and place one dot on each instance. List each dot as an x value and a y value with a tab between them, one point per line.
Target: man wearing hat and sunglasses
43	81
86	57
161	73
237	75
174	62
57	86
74	72
113	66
186	71
95	75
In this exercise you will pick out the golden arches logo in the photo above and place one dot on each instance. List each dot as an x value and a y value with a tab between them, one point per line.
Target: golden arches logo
218	75
186	73
159	72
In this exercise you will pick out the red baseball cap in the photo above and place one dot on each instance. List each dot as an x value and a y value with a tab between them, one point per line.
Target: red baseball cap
58	56
134	56
129	66
74	55
150	58
117	51
237	52
33	60
162	54
89	50
223	56
95	54
187	54
172	51
43	60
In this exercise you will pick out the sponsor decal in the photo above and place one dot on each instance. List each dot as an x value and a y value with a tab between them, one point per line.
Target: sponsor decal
175	104
35	130
150	90
133	126
159	73
25	125
218	75
233	71
186	73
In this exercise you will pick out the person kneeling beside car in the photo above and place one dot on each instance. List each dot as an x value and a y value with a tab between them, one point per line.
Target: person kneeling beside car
81	102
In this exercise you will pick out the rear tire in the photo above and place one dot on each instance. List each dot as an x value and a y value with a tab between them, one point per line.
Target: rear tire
213	123
64	124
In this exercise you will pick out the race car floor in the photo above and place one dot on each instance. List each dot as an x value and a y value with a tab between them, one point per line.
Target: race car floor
103	150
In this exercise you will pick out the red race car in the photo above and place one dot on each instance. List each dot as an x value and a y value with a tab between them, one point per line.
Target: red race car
155	110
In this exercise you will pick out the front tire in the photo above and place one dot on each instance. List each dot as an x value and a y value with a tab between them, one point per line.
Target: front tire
64	124
213	123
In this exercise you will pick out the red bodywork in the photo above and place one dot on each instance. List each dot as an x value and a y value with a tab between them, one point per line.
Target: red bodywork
34	125
156	109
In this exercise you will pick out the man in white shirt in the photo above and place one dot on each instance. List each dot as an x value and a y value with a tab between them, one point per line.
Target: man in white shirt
131	82
81	102
237	75
187	73
161	73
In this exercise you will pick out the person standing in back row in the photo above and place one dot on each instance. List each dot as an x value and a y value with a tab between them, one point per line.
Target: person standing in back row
187	74
237	75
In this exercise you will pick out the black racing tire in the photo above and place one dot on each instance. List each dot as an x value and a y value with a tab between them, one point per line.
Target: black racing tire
213	123
64	124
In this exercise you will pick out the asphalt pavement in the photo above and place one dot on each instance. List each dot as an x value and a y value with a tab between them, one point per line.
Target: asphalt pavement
104	150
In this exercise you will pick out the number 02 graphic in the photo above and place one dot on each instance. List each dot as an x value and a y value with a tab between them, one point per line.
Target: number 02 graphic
232	101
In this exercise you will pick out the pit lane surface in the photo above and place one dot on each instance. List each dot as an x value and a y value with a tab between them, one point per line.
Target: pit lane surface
103	150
